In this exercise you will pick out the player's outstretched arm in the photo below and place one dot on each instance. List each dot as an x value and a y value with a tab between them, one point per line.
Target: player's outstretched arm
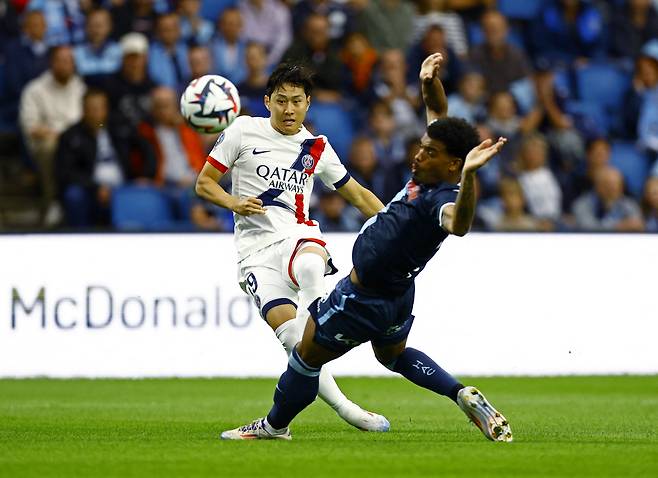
208	188
458	218
361	198
434	97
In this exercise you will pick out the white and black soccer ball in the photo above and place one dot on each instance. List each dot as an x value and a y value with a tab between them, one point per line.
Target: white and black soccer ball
210	104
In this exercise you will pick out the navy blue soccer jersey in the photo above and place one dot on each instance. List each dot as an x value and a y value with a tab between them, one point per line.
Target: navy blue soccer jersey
396	244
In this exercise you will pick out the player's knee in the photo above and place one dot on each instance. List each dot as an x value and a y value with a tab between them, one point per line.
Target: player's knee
389	364
309	269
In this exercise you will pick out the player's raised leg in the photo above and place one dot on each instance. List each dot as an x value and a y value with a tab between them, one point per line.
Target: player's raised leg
308	268
420	369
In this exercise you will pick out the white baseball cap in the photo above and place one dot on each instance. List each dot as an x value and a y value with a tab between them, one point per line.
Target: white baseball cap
134	43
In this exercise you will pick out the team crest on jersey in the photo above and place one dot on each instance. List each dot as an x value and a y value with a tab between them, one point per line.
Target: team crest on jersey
412	190
307	161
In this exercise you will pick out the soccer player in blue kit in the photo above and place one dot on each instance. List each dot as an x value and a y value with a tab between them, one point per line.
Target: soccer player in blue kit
375	301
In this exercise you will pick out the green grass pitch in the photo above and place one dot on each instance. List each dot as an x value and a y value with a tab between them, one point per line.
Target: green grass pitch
567	426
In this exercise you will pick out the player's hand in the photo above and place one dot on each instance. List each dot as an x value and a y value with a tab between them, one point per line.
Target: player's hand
481	154
249	206
430	67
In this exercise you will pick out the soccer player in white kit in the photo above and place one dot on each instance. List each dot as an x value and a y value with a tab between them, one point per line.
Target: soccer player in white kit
282	258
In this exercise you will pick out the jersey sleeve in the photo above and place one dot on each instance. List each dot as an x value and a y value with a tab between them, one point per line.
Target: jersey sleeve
441	198
330	170
227	148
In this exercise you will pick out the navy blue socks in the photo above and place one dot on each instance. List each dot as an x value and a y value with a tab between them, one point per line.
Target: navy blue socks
418	368
296	390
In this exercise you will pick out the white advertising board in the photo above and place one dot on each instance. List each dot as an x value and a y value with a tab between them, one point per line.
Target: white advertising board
140	305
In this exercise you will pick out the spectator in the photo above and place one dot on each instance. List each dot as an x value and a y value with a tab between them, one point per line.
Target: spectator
540	187
168	64
504	119
597	156
93	157
267	22
98	57
388	24
340	16
315	49
433	41
335	214
179	152
650	204
49	104
389	144
569	30
195	30
252	89
645	80
468	102
559	126
26	57
228	47
364	166
64	18
500	62
514	216
200	61
359	59
133	16
633	25
130	88
647	124
389	84
605	208
436	12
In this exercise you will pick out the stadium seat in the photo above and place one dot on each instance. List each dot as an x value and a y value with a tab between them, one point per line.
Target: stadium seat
212	9
632	163
520	9
141	208
602	83
590	118
332	120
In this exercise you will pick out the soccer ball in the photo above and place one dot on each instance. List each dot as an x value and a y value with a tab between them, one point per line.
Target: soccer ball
210	104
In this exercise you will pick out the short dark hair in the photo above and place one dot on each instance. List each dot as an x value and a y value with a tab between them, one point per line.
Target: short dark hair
457	134
293	73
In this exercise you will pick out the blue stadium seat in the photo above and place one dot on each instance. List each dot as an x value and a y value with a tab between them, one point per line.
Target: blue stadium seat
141	208
590	118
212	9
602	83
520	9
632	163
333	121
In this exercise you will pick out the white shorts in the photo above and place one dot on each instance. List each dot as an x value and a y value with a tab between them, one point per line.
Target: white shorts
266	275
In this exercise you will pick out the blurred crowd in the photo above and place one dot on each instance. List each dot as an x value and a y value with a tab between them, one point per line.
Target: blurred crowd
89	120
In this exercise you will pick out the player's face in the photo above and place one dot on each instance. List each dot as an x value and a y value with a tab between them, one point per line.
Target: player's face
288	105
432	164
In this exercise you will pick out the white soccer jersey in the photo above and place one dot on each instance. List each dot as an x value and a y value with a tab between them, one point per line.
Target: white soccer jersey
279	170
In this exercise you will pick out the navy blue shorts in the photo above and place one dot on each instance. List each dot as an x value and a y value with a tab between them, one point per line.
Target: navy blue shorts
350	316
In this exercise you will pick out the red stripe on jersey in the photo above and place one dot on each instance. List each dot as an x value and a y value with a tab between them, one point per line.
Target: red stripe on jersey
299	208
216	164
296	250
316	152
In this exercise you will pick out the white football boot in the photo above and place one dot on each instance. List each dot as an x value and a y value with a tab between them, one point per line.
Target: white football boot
489	420
255	430
363	419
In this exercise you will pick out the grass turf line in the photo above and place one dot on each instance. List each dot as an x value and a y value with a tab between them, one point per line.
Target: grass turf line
566	426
